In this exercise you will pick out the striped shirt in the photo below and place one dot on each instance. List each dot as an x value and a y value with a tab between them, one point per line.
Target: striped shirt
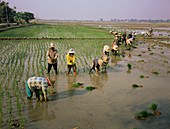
38	83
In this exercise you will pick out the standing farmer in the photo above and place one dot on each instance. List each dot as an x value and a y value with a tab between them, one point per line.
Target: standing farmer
38	85
124	38
52	55
71	61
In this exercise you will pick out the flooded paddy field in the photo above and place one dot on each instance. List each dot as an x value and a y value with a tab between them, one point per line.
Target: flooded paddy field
112	105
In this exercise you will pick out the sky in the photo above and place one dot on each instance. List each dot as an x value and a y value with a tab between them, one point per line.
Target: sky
94	9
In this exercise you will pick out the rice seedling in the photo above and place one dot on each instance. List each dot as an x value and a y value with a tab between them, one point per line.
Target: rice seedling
139	54
153	47
160	48
153	107
129	66
142	61
90	88
155	72
142	51
151	53
162	52
135	85
141	76
118	59
77	84
149	49
143	115
165	61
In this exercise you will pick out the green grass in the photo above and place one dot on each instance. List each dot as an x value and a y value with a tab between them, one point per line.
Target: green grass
56	31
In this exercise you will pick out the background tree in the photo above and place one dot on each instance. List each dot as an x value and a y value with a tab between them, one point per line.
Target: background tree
9	15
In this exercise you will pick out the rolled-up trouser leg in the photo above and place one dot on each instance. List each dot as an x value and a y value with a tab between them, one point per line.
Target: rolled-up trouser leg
29	93
74	67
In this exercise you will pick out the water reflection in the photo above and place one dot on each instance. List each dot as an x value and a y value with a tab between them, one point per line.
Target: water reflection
38	111
70	90
99	81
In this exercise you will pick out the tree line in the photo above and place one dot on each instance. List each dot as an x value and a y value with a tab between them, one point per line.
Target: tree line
9	15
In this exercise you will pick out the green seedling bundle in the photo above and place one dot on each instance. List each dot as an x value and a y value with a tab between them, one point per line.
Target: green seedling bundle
142	76
77	84
165	61
162	52
143	115
155	72
90	88
129	66
135	85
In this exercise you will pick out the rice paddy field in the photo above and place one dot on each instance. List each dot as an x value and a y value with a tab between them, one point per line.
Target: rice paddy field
113	103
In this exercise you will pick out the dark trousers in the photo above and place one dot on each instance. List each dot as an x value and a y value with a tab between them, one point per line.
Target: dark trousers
54	66
114	52
71	66
124	40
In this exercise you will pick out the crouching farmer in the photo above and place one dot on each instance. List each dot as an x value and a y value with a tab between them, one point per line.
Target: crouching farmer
106	50
71	61
97	63
38	85
129	41
114	49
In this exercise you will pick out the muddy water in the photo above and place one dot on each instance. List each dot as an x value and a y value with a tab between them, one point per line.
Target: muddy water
111	106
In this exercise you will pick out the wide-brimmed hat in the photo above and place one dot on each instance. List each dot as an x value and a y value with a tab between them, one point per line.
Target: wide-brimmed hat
52	45
71	50
107	48
115	47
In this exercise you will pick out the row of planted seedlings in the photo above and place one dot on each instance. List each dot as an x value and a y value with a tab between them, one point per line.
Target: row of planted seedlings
18	100
12	67
3	78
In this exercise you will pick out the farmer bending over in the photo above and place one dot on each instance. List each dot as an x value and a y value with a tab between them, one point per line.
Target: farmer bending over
97	63
71	61
106	50
38	85
150	31
52	55
114	49
116	41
